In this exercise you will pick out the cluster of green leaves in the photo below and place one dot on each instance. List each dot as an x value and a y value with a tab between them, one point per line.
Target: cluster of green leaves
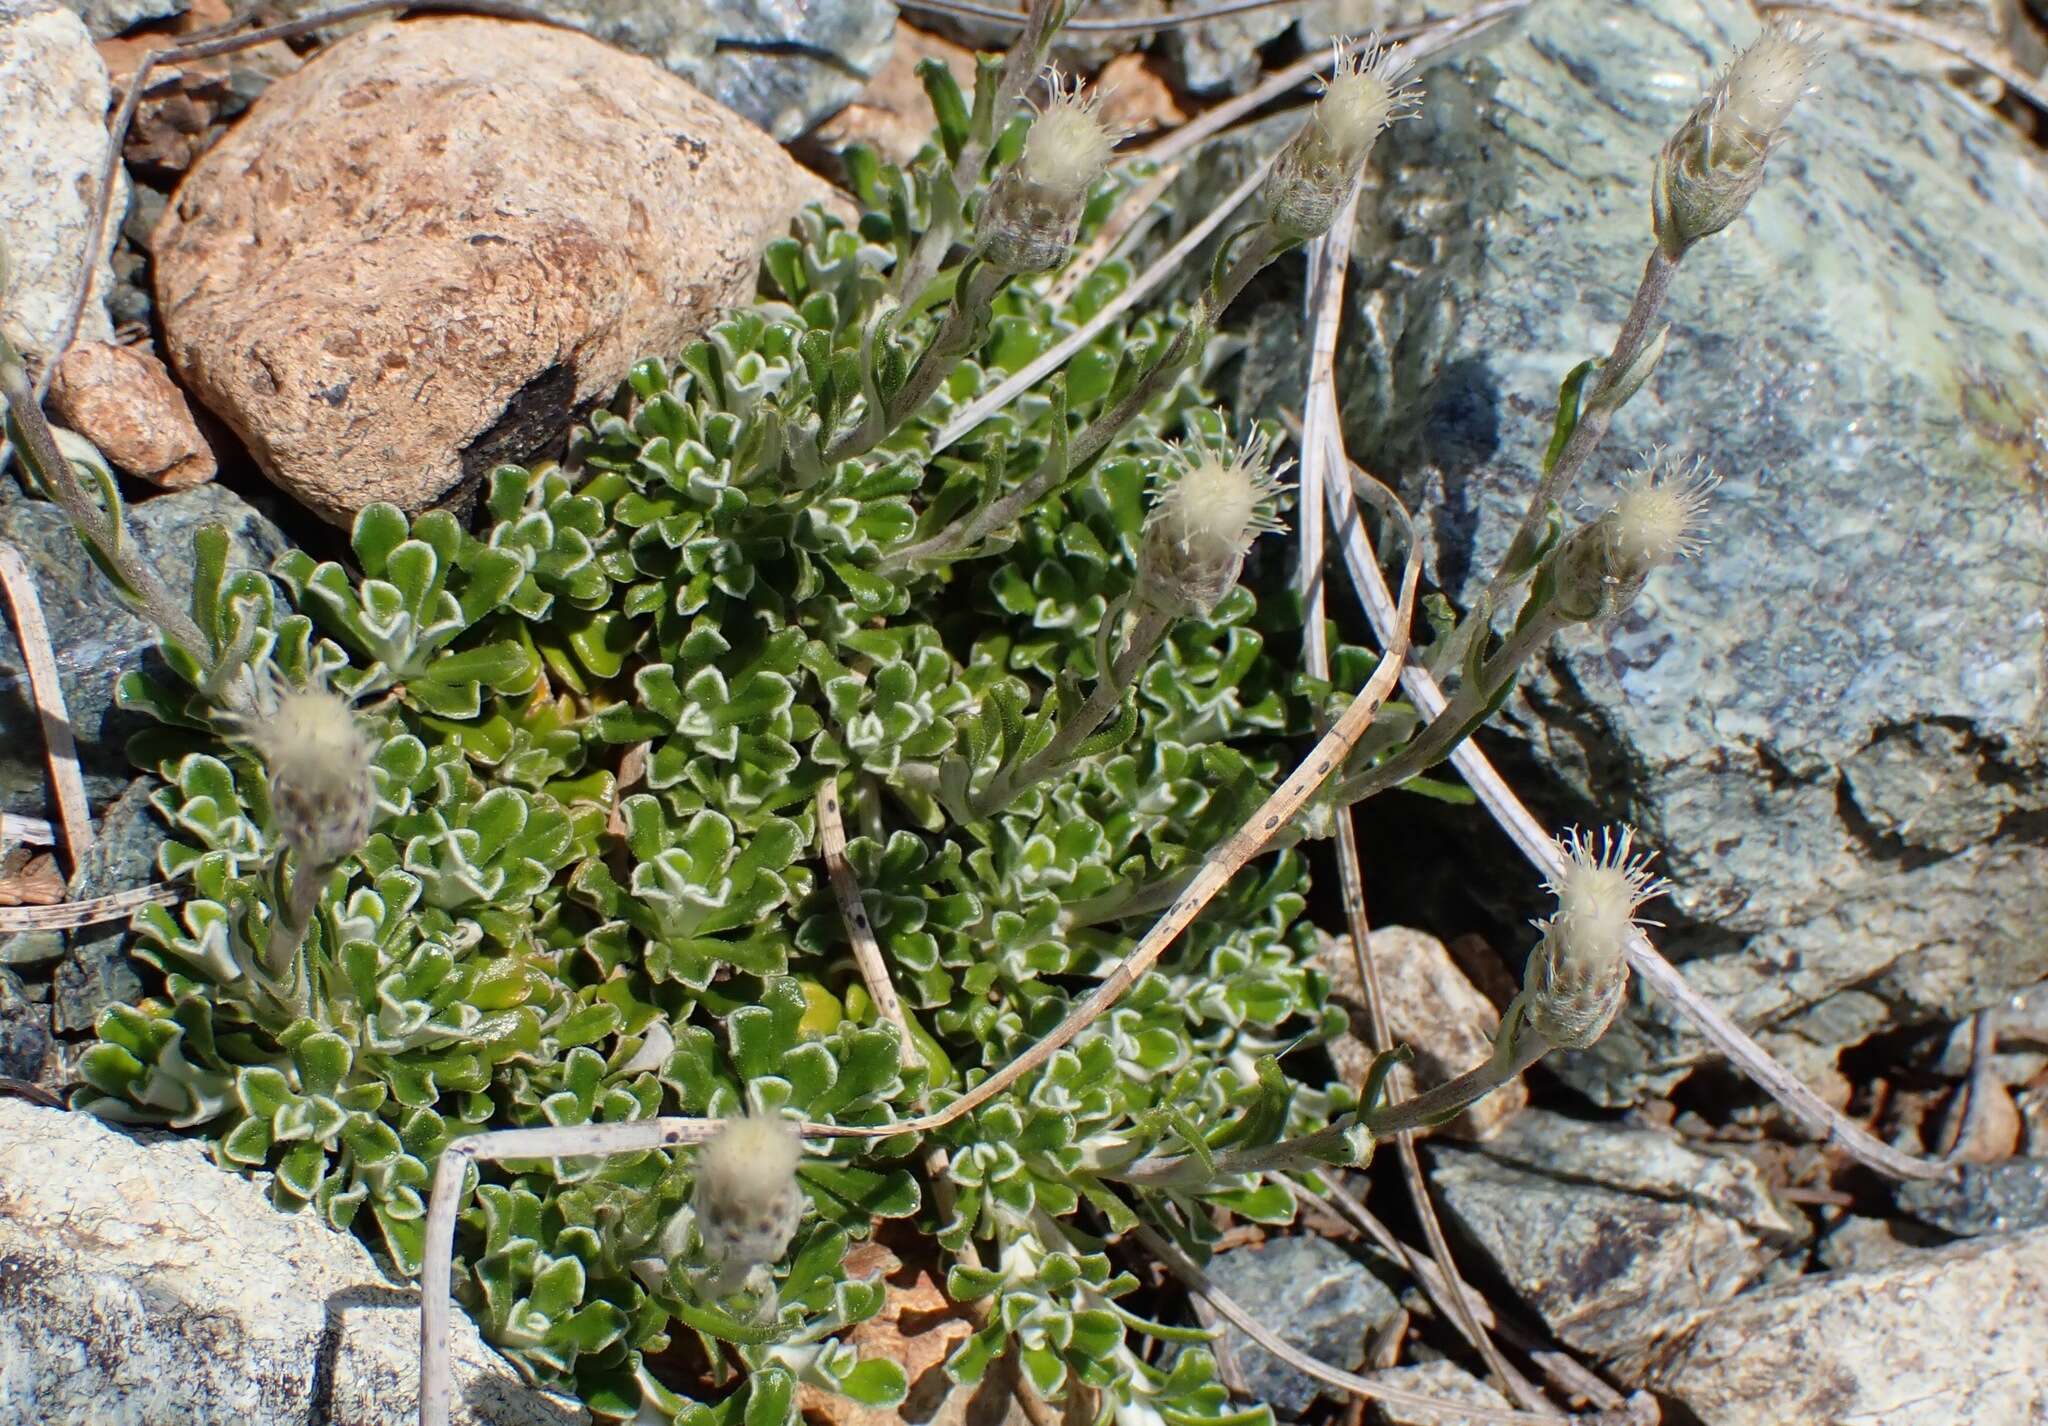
592	896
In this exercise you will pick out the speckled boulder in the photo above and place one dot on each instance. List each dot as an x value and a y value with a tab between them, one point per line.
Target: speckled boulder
417	255
1834	722
142	1286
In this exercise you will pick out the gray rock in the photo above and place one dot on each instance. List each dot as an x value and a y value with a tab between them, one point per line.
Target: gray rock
1953	1337
1985	1198
142	1286
1861	1244
24	1031
53	131
1446	1381
785	64
1615	1236
123	857
1832	723
1316	1297
96	640
107	18
1222	55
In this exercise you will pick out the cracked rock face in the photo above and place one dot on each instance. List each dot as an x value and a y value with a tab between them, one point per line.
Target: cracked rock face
1831	723
418	255
142	1286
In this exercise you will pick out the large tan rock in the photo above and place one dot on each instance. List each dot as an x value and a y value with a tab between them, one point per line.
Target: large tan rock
419	253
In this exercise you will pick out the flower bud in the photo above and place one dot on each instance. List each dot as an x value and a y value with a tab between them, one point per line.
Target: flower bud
1211	505
746	1199
322	793
1578	973
1713	165
1034	207
1600	567
1314	173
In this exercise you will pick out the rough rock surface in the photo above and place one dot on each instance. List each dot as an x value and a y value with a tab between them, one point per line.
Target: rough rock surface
53	131
1615	1236
1447	1381
784	64
1949	1336
95	638
107	18
142	1286
488	223
1832	723
1316	1297
1431	1008
123	401
1984	1198
24	1030
891	113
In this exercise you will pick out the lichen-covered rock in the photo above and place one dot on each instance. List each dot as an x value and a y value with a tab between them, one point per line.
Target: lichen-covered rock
1942	1337
1832	721
142	1286
784	64
53	107
123	401
1431	1008
1311	1293
1615	1236
96	640
1446	1381
488	223
24	1030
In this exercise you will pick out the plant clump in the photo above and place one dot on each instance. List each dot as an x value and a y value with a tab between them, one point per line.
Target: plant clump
533	825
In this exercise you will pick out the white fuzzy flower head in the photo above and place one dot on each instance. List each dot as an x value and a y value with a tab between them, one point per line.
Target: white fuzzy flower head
747	1200
1068	147
1760	89
1363	95
322	792
1313	175
1213	501
1028	221
1714	164
1659	515
1578	973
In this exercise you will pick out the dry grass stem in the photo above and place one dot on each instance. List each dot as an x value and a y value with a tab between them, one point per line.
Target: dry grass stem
860	933
60	748
72	914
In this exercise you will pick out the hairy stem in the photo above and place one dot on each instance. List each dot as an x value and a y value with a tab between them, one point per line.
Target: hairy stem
97	527
1263	245
1596	414
1141	641
965	324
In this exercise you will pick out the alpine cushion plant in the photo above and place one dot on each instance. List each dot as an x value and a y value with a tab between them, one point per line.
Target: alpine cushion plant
519	827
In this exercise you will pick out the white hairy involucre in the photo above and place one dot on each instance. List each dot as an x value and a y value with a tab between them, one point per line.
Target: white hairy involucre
1714	164
323	795
1213	501
1313	174
747	1200
1578	973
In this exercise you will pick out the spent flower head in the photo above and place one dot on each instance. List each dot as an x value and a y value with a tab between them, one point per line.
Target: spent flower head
1714	164
1212	501
1068	146
747	1200
1578	973
1314	173
323	794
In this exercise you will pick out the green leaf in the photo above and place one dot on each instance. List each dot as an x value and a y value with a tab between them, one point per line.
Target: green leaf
1567	418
